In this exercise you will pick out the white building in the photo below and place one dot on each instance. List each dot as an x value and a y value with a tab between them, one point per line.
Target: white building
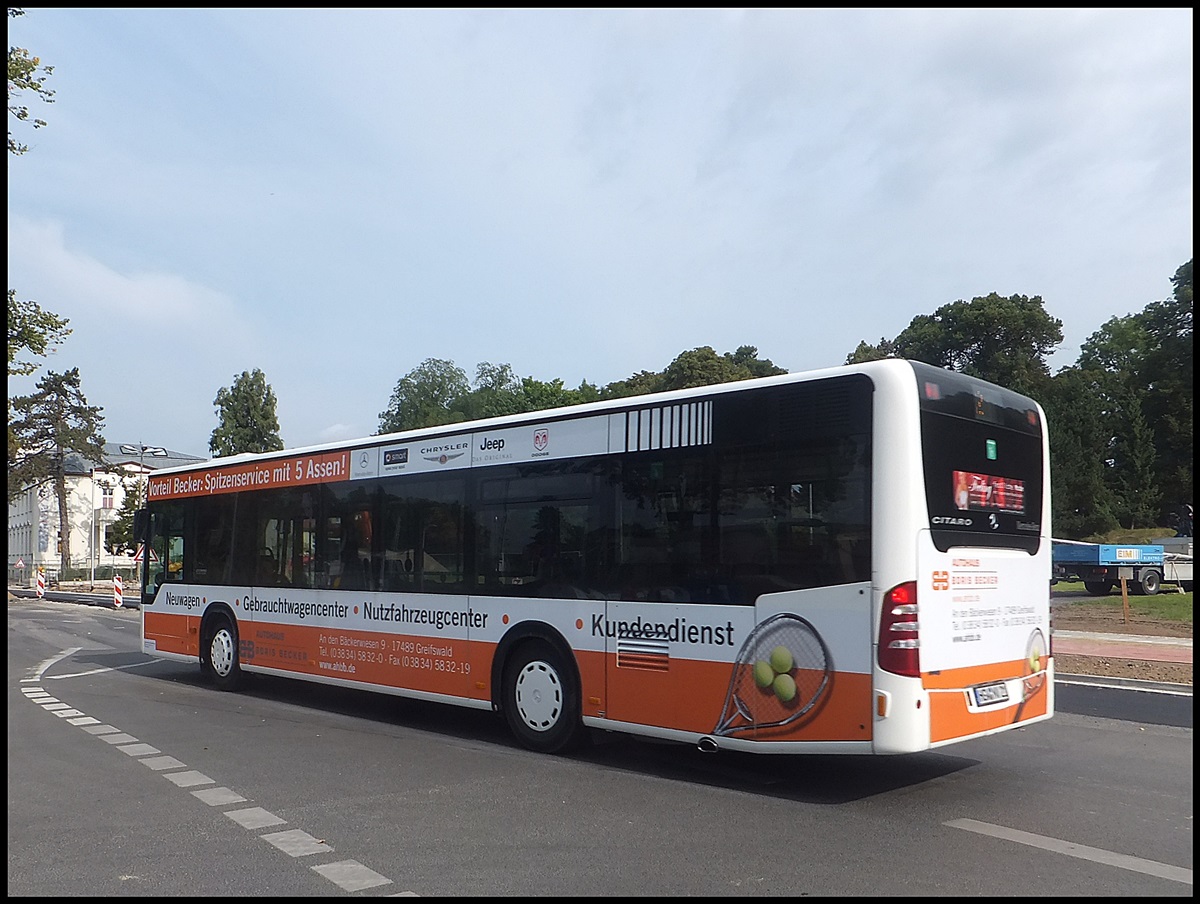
95	494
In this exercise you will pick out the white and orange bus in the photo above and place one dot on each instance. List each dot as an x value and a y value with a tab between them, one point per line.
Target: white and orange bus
848	560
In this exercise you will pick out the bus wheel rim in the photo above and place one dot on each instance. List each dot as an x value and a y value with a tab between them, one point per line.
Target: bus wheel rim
539	696
221	653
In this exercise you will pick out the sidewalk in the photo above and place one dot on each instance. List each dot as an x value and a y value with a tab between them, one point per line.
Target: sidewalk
1123	646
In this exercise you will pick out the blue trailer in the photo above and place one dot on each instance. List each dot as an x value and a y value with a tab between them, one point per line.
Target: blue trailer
1100	566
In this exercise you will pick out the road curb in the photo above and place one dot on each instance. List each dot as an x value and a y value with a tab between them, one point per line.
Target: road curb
1127	684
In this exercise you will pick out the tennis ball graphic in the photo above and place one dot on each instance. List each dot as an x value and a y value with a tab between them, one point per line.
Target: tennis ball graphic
785	688
781	659
1034	660
763	673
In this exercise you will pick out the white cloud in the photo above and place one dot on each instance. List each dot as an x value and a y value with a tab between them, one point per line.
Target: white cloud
334	196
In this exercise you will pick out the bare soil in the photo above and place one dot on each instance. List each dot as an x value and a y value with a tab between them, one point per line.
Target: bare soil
1085	615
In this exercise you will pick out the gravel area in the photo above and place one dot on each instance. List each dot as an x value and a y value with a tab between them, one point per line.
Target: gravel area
1105	667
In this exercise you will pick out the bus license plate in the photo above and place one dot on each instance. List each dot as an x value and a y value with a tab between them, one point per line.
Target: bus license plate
988	694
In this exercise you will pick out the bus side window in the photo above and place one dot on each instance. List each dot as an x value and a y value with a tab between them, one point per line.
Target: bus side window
174	569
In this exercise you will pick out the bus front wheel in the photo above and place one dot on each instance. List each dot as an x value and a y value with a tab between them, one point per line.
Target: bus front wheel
220	660
541	698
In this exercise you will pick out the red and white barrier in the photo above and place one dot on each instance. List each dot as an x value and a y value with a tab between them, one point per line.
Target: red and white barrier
41	582
117	591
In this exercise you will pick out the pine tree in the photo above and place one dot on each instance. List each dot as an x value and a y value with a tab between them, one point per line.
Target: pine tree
247	418
48	426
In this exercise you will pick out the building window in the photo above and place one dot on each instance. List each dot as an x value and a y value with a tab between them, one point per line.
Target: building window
106	500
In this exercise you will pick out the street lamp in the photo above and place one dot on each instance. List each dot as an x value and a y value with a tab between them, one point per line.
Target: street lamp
92	537
142	450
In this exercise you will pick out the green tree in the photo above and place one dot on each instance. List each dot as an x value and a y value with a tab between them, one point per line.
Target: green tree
700	367
866	352
1134	482
118	539
425	397
246	417
747	360
1004	340
538	395
1168	378
696	367
50	424
1141	369
497	391
641	383
1082	502
25	74
31	329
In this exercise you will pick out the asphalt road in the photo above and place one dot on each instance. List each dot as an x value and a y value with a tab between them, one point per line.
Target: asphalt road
133	777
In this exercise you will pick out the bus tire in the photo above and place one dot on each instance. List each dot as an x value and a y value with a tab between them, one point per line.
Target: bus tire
1186	586
1150	581
1098	588
219	659
541	698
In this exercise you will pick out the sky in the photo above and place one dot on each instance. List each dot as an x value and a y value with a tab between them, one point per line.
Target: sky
335	196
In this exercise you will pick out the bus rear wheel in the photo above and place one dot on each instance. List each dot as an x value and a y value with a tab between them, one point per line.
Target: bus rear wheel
1097	588
541	698
219	659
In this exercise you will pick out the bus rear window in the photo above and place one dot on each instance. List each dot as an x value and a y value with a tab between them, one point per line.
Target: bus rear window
982	451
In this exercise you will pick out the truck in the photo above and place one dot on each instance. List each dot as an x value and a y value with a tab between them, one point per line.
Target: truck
1145	567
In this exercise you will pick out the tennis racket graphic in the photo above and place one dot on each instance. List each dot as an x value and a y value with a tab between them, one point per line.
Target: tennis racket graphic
1034	668
779	675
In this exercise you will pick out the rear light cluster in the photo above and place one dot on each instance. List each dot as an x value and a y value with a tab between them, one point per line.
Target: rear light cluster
899	632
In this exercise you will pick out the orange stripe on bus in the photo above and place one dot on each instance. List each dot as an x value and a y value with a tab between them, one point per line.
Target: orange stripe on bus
691	696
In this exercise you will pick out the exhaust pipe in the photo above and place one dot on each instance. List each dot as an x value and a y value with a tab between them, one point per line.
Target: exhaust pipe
707	745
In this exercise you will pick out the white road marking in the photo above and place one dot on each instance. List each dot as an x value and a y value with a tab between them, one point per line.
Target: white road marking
351	875
46	663
138	749
111	668
1116	685
188	779
217	797
255	818
1082	851
119	738
159	763
296	843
